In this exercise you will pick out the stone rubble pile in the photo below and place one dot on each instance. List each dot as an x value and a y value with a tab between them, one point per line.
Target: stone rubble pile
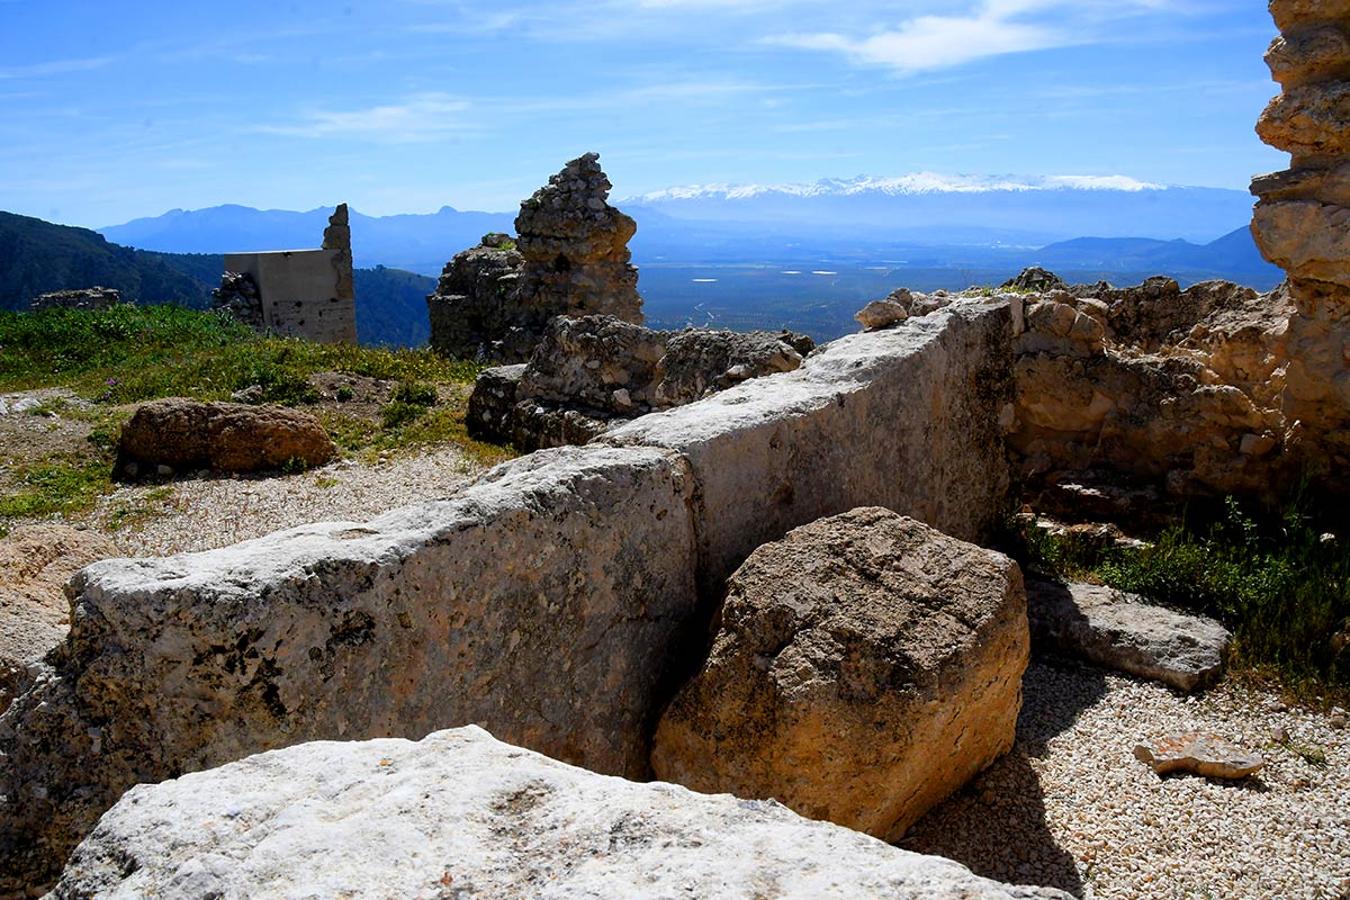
570	258
83	298
238	296
589	373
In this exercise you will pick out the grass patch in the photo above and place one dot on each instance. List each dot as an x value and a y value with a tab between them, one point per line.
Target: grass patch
1277	584
55	486
126	354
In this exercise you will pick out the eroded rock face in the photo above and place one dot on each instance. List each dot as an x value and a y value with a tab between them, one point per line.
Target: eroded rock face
532	602
224	437
864	668
461	814
571	258
238	295
1302	217
588	373
1122	632
36	561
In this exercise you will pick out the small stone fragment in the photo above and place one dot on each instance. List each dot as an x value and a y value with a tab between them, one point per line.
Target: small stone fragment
1337	719
1200	754
881	314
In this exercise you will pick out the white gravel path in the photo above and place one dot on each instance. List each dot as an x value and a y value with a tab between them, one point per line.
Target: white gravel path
1072	807
203	513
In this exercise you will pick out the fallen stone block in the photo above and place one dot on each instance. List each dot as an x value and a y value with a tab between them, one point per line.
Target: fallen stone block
905	418
1119	631
224	437
546	601
459	814
1199	754
865	667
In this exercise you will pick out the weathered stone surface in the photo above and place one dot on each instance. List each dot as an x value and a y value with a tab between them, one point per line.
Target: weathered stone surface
1293	14
865	667
1122	632
492	403
238	295
86	298
1312	122
1330	185
547	602
225	437
1319	53
461	814
781	451
36	561
586	361
1199	754
1306	237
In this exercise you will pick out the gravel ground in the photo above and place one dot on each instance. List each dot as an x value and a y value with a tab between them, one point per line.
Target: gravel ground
1071	807
203	513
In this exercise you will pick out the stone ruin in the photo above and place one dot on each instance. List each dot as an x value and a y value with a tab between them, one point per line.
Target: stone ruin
305	294
610	605
84	298
590	373
570	258
1302	218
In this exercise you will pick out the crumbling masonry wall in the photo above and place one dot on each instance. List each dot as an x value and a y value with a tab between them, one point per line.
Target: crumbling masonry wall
553	602
305	294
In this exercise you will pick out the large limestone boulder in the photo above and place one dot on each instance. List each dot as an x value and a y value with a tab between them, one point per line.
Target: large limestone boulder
460	814
36	561
224	437
865	667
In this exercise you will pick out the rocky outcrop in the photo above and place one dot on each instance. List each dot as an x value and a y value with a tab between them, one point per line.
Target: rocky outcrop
1302	217
1122	632
338	236
85	298
459	814
36	561
589	373
864	668
223	437
570	258
546	602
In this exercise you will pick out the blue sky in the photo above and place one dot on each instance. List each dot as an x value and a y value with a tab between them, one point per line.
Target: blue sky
113	110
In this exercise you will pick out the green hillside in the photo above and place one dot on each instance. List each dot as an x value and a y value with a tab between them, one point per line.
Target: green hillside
37	256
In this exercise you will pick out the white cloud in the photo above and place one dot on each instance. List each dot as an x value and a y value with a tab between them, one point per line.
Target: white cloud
56	67
422	117
992	28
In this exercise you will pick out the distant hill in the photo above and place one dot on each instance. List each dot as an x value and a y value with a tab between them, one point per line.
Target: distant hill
422	243
37	257
1234	257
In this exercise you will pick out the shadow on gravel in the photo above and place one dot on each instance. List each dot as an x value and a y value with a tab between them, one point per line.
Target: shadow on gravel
996	825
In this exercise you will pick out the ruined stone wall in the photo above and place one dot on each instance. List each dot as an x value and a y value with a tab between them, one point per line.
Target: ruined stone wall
554	602
570	258
1302	220
306	294
84	298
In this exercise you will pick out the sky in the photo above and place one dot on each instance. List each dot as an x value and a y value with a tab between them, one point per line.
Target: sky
114	110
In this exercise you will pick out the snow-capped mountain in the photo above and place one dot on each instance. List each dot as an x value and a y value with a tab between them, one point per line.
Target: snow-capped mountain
966	208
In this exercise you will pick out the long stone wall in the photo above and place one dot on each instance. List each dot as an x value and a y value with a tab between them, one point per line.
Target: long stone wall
554	602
